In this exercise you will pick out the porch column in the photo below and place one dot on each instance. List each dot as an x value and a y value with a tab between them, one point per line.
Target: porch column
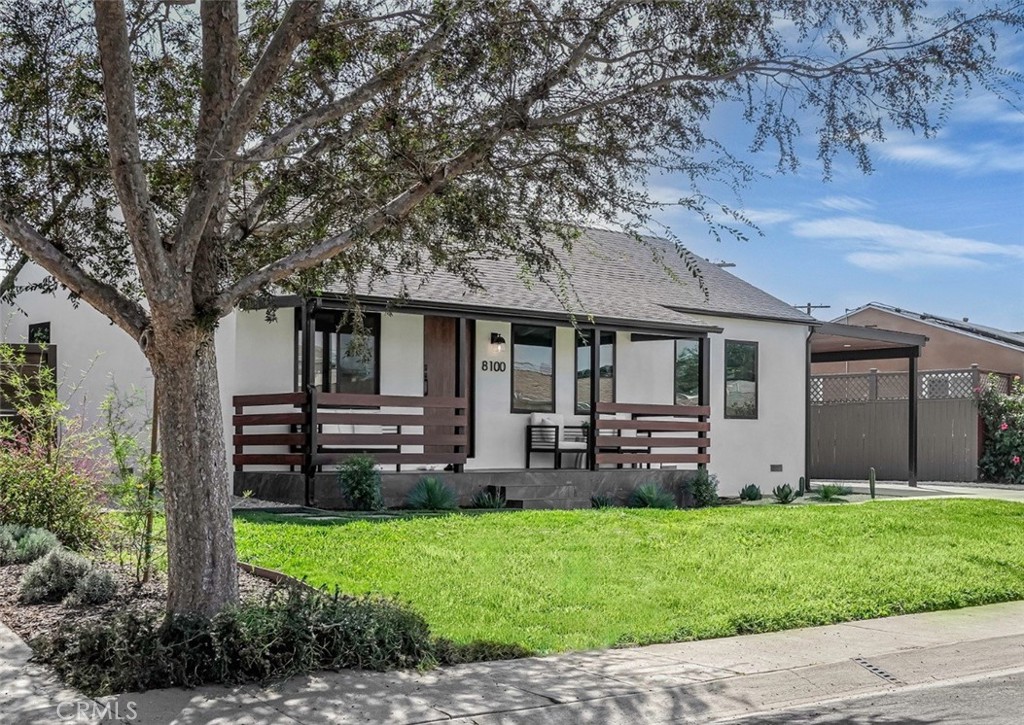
704	394
912	421
595	394
308	352
461	391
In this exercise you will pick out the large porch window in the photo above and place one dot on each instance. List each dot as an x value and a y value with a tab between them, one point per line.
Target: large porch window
343	362
606	372
533	369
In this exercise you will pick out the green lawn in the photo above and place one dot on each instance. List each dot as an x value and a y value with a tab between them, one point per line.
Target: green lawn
561	580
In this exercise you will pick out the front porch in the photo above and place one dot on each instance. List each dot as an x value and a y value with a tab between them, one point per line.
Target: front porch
287	445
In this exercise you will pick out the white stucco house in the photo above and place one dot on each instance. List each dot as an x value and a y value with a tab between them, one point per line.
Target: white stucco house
451	380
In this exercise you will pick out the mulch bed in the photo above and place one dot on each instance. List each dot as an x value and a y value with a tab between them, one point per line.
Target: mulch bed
31	620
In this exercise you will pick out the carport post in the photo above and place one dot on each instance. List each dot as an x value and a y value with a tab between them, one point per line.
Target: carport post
912	420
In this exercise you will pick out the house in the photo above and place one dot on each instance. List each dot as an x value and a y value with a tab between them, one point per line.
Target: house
635	372
952	344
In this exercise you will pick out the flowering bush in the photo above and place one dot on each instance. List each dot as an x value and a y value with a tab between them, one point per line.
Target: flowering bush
1003	418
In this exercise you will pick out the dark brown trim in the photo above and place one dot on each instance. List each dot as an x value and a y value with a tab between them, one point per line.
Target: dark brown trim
914	383
757	380
512	365
470	383
886	353
577	410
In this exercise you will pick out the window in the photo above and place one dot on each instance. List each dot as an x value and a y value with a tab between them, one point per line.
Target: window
606	371
687	372
740	379
343	362
39	333
533	369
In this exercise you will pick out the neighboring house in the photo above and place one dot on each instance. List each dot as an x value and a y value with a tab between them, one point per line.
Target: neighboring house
952	344
683	380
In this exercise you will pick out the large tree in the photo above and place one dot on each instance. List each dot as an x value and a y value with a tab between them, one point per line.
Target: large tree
165	162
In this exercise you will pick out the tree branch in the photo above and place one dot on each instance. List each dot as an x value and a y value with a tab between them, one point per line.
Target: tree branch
296	26
123	312
352	102
127	171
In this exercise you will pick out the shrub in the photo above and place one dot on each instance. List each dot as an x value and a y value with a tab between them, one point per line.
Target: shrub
292	632
432	494
24	544
96	587
704	489
487	499
49	475
751	492
360	483
784	494
34	544
53	577
651	496
137	484
601	501
831	492
1002	458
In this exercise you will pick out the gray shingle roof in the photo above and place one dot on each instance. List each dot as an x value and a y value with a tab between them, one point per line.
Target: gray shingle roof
612	278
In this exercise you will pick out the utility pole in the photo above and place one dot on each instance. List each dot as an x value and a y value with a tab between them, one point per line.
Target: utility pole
809	306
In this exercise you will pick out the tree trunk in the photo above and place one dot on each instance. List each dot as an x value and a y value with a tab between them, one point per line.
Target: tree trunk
202	569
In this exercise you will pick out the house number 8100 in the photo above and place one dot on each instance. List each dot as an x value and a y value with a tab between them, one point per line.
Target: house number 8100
493	366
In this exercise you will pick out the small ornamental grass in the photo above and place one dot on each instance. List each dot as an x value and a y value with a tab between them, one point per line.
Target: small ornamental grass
432	494
651	496
601	501
832	493
293	631
487	499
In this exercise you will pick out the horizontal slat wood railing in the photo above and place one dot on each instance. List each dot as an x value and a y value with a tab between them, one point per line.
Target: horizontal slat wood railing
652	428
313	430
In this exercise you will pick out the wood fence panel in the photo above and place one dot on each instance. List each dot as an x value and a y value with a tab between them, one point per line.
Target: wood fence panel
849	438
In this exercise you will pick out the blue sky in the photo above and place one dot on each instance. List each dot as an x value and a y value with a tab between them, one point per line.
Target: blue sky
938	226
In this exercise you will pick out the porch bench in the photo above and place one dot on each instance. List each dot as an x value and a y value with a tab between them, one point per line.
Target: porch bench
547	433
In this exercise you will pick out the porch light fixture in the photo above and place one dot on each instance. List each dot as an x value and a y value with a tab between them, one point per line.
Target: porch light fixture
497	342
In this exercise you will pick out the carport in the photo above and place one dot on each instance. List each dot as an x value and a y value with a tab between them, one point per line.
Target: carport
836	342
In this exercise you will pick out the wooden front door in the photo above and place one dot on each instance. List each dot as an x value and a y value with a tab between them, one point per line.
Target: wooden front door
440	371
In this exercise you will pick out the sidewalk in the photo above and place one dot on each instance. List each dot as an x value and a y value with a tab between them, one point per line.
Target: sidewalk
937	489
692	682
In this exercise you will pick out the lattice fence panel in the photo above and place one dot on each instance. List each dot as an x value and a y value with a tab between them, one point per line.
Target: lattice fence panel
892	386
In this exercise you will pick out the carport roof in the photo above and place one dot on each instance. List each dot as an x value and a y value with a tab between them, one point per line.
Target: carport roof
836	342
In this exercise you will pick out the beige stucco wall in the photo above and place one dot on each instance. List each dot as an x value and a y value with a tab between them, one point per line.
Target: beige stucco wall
946	350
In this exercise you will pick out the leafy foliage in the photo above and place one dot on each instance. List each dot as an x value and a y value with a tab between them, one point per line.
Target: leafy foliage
1002	459
433	494
137	486
50	475
651	496
750	492
53	577
784	494
360	483
292	632
487	498
704	489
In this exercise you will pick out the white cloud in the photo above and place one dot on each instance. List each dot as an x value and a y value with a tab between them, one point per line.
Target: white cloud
975	158
890	247
767	217
845	203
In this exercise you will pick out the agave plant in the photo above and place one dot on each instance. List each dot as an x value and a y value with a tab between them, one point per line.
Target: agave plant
651	496
784	493
432	494
751	492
